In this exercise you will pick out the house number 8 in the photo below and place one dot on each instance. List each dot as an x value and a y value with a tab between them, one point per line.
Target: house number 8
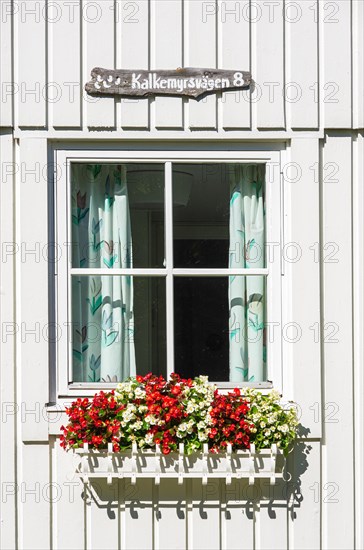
238	79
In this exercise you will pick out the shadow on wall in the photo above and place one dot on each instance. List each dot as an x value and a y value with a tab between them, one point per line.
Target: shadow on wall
170	504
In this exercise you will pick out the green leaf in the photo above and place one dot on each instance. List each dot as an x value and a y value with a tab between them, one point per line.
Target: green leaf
110	338
110	263
83	214
94	303
234	333
77	354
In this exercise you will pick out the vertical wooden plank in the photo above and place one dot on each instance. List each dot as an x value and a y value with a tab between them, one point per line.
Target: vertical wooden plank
303	492
35	497
166	46
337	483
133	27
271	517
268	67
237	521
32	285
64	88
200	40
234	34
138	523
6	55
8	504
68	499
337	73
170	516
99	26
302	55
301	318
358	63
30	76
358	323
104	516
205	527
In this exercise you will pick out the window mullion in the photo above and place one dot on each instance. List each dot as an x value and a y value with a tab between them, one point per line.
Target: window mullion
142	272
169	266
211	272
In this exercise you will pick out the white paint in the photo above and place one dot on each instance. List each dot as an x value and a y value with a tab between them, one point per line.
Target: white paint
128	35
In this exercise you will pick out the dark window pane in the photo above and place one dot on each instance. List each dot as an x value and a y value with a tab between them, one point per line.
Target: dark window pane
202	327
220	325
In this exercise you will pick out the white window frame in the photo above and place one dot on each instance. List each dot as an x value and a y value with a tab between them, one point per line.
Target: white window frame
273	270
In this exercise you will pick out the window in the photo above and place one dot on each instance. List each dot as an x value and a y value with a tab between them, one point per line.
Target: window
173	265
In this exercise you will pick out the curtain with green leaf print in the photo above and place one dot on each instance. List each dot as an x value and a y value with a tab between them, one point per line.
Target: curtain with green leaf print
102	306
247	294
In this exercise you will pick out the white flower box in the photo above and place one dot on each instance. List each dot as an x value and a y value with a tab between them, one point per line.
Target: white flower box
137	463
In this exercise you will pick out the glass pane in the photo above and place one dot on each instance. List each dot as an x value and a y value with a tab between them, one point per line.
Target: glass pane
219	218
117	215
118	327
220	326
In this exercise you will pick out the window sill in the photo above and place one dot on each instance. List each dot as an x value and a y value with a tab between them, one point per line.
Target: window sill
81	389
135	464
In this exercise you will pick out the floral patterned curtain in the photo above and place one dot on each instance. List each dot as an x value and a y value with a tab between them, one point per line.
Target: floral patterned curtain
102	306
247	294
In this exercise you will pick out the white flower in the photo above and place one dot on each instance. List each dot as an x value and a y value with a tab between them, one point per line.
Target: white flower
139	393
149	439
151	419
191	407
262	424
137	425
274	395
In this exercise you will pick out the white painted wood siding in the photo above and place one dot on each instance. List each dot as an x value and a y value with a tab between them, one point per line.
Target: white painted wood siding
42	506
306	59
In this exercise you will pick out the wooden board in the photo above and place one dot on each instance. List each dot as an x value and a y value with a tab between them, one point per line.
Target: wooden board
188	82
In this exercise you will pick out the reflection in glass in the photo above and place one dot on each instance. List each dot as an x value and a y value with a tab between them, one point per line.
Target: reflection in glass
119	327
117	215
223	222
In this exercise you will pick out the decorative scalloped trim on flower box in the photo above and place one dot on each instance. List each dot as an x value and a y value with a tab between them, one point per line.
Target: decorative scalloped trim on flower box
136	463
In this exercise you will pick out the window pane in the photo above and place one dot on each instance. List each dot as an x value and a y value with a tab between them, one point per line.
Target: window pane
219	218
119	327
220	328
117	215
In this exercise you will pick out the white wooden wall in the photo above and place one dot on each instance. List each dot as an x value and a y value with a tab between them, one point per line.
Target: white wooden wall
322	506
43	507
306	58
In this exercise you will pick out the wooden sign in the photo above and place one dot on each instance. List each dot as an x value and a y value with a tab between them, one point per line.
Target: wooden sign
188	82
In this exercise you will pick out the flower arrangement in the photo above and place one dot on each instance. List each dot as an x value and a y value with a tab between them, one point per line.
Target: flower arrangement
150	410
